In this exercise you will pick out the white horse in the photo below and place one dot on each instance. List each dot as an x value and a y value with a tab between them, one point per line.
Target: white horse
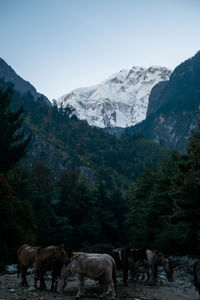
95	266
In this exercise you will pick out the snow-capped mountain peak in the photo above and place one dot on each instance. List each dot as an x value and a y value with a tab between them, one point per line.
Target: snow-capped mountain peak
121	100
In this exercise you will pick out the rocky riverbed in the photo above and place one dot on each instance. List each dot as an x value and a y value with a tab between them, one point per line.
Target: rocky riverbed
181	288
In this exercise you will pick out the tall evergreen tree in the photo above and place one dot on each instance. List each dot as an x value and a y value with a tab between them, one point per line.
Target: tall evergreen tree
138	197
13	143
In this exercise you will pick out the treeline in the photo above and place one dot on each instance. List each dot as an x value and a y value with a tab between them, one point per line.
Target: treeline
164	204
36	209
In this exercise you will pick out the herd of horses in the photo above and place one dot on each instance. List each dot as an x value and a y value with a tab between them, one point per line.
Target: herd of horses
100	264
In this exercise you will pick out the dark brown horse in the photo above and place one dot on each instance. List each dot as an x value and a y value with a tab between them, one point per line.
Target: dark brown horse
49	258
120	256
26	256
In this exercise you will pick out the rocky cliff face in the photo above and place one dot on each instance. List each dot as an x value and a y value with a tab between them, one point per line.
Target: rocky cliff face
172	112
119	101
154	97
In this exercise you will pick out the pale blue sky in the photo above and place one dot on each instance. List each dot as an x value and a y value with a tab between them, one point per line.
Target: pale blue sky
59	45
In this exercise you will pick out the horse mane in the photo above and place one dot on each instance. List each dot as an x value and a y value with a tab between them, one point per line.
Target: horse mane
75	256
40	248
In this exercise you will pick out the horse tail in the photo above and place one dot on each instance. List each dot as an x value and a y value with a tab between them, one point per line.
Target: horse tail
114	274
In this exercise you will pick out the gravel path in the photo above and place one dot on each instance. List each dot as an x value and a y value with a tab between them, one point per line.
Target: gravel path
180	289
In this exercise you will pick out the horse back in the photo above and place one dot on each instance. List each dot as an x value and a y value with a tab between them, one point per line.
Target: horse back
92	265
26	255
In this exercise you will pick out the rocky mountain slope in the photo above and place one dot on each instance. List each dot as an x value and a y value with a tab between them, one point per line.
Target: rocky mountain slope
20	85
172	112
62	142
119	101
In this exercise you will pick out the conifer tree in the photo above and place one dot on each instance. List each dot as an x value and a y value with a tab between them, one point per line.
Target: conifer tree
13	143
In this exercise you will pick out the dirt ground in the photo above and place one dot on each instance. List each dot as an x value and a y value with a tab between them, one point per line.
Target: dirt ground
180	289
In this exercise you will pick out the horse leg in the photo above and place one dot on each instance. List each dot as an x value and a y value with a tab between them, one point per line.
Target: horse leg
148	275
150	281
42	282
125	274
26	283
23	272
56	285
53	281
105	288
19	271
133	271
155	272
111	283
168	273
79	286
35	281
64	284
81	283
36	278
22	276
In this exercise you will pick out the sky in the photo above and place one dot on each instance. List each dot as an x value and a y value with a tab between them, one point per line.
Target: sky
60	45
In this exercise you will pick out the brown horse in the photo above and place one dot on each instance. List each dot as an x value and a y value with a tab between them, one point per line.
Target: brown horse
150	264
120	256
50	258
26	256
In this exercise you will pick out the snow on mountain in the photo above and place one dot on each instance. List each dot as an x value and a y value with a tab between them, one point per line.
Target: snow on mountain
119	101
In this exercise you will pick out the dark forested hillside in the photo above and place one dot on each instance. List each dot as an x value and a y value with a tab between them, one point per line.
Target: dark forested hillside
172	106
86	149
164	203
64	142
72	178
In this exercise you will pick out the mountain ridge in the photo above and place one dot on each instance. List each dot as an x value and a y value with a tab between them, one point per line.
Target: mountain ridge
23	86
